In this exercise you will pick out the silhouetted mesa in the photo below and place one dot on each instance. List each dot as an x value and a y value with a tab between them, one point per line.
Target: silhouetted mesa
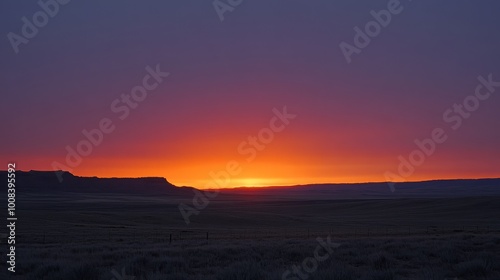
47	181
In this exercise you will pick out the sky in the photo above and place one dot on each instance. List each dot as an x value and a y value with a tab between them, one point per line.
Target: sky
233	71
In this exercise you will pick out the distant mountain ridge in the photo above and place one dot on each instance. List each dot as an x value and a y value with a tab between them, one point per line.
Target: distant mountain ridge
48	182
423	189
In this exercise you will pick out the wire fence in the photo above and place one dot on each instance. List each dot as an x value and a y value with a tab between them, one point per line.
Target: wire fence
169	235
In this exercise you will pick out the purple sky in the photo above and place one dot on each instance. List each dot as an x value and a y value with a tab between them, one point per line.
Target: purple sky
353	119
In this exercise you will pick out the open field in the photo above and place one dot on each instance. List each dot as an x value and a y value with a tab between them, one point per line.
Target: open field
464	256
88	228
88	236
127	216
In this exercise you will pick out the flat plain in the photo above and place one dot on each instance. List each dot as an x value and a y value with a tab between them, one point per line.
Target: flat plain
255	234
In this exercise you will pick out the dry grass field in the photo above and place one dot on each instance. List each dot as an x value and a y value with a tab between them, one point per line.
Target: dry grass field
419	232
119	236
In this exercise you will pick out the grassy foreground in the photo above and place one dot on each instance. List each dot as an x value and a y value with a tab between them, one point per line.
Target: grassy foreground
455	256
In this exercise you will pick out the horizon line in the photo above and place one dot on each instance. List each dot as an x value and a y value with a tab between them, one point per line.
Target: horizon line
270	186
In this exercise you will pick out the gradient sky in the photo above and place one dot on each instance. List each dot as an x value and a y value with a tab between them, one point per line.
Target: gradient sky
353	120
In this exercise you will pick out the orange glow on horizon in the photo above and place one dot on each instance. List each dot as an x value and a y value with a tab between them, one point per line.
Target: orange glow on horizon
271	171
301	154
